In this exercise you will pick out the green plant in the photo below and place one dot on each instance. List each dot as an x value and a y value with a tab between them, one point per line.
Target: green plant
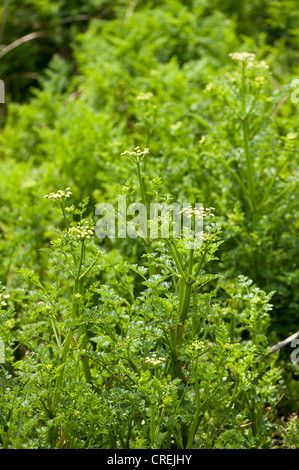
261	210
165	366
150	342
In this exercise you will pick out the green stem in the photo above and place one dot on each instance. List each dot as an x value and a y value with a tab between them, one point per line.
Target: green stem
245	127
82	252
74	316
83	329
151	266
89	268
141	184
177	257
152	424
176	363
186	302
200	410
190	266
249	166
84	360
194	427
203	256
64	216
184	307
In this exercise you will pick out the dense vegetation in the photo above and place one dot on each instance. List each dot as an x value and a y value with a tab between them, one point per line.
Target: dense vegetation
139	342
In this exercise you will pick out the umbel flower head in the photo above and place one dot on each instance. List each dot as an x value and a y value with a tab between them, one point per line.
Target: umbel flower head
154	360
60	195
137	155
242	56
83	230
249	59
3	297
200	212
144	96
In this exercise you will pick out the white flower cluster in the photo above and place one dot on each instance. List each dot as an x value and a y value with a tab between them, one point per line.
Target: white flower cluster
249	58
137	154
291	136
176	126
198	212
242	56
210	86
263	64
3	298
198	345
60	194
82	230
154	360
144	96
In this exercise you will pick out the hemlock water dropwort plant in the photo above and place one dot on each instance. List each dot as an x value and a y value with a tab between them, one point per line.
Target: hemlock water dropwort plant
163	365
143	355
252	148
158	368
141	338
